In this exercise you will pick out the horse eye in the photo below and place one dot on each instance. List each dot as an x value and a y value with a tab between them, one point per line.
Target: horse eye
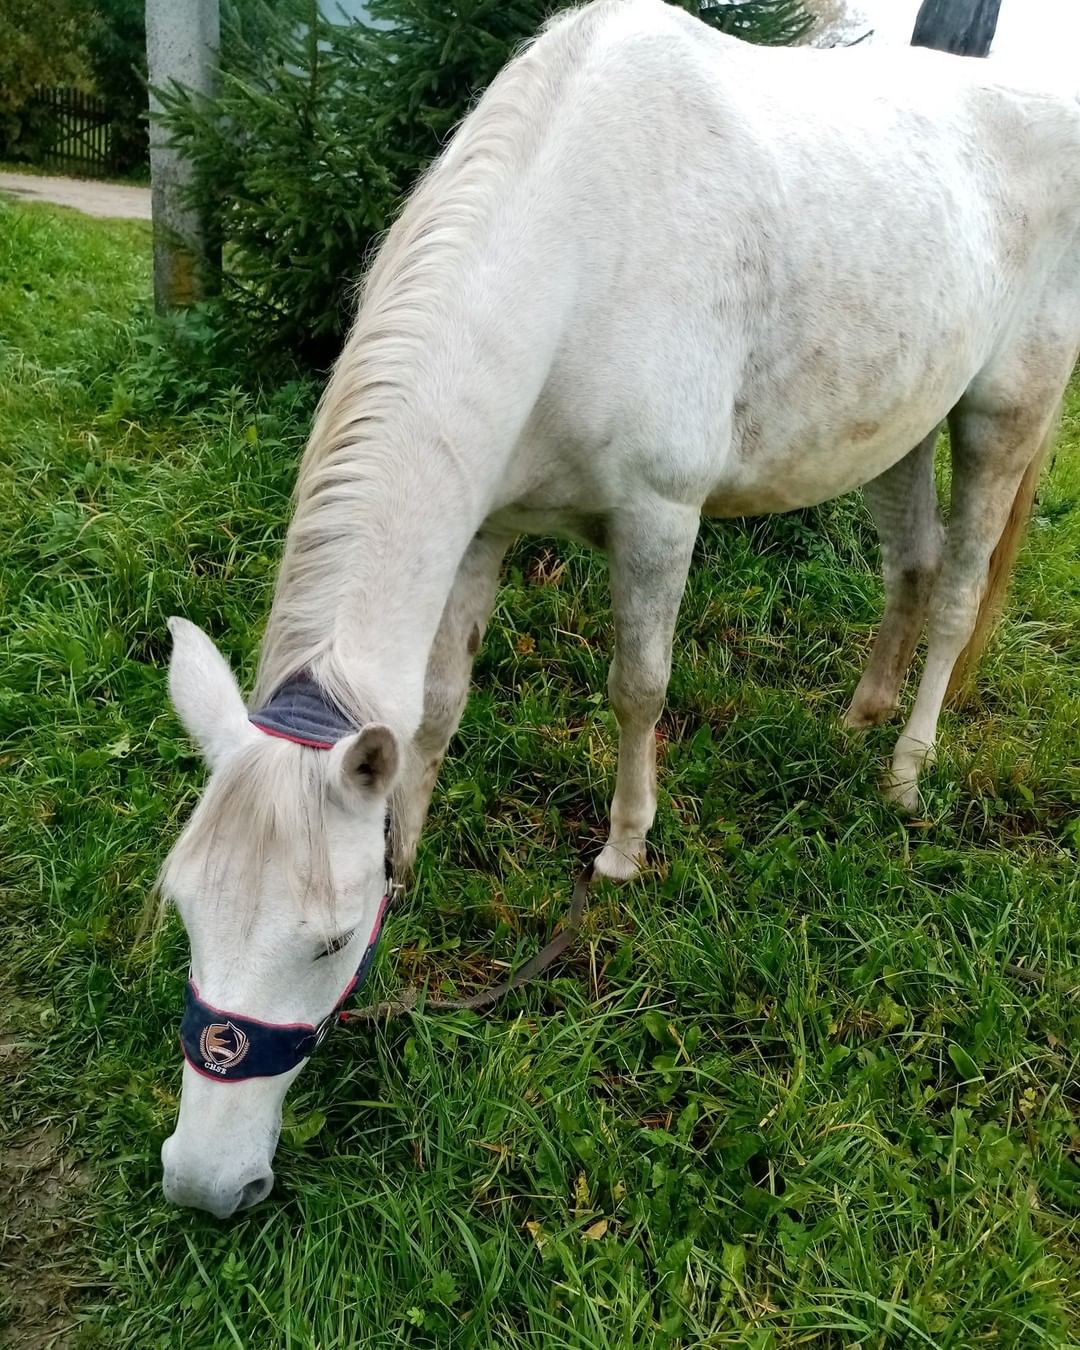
336	944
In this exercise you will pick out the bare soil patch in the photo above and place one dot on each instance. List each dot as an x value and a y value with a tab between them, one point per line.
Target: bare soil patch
41	1197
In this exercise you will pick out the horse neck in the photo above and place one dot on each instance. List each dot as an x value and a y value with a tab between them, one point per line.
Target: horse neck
382	519
413	437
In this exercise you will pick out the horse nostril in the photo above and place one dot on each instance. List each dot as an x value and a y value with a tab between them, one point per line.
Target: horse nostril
255	1191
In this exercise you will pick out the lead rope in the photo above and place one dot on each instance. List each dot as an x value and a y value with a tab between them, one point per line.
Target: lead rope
407	1003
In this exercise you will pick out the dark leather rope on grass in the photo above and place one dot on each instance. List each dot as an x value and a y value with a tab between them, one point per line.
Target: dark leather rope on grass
411	999
1032	975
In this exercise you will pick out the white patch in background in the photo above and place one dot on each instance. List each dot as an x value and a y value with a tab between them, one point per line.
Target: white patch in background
1039	39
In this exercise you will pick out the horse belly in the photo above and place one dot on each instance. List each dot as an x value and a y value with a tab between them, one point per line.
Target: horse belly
783	462
841	402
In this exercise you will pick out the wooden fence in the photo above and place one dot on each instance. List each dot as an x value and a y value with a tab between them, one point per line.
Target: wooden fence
73	131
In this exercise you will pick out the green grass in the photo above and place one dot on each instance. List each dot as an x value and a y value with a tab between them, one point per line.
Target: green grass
791	1090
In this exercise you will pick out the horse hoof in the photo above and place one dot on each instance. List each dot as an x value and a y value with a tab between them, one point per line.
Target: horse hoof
861	717
902	791
619	863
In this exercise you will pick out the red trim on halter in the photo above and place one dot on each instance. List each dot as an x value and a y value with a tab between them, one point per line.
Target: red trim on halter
296	740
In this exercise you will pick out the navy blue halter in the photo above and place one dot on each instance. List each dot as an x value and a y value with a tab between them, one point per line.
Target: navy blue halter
227	1046
230	1048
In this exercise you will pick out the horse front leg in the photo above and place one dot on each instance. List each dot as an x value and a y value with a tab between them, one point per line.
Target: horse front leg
446	688
649	552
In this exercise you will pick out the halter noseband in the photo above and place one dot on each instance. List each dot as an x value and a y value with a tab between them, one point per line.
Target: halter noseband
229	1047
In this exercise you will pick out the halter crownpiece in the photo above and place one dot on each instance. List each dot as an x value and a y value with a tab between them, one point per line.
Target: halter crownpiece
303	713
227	1046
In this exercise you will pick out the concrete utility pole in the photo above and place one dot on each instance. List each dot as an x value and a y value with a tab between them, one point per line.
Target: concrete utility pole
181	45
963	27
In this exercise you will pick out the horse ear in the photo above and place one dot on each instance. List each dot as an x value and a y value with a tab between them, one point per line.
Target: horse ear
367	762
205	694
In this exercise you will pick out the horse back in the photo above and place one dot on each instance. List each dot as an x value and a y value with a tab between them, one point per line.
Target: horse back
815	252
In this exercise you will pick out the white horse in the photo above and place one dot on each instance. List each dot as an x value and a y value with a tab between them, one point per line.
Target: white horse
657	273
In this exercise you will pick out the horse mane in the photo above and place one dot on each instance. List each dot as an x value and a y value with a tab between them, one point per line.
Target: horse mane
367	431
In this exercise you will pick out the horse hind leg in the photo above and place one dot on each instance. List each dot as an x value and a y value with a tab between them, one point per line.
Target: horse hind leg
904	504
997	450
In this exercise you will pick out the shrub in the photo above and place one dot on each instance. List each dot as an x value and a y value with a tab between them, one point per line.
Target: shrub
319	130
288	177
39	44
114	40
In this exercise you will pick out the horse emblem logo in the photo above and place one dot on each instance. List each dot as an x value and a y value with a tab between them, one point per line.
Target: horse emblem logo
223	1045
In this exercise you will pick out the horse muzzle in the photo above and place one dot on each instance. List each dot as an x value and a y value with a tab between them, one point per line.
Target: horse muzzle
219	1158
219	1195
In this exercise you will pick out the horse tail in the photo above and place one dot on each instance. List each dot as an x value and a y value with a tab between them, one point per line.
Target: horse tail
998	573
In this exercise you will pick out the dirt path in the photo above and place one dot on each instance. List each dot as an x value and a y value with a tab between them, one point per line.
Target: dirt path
43	1190
93	199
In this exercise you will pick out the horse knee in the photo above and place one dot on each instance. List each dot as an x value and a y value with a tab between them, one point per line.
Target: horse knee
910	583
638	694
953	613
918	580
